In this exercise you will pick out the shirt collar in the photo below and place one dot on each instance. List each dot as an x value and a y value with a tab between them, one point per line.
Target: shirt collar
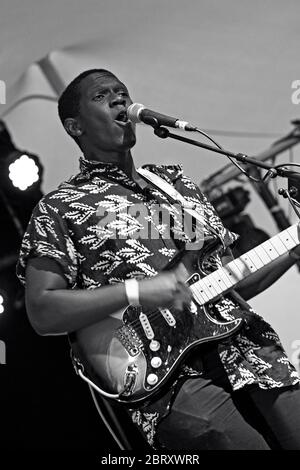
94	168
91	168
87	166
170	173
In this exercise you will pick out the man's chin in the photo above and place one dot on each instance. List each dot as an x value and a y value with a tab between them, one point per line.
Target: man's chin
129	141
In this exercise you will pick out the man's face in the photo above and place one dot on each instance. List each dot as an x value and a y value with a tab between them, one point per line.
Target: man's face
103	119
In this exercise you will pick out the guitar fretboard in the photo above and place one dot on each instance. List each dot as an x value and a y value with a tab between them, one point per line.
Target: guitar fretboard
227	277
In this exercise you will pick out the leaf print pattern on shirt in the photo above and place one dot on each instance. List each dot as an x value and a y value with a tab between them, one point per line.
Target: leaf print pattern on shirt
76	225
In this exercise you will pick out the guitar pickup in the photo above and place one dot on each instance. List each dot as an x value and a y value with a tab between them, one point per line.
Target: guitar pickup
168	316
146	326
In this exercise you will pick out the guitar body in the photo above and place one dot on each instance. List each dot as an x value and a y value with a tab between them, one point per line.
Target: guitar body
131	354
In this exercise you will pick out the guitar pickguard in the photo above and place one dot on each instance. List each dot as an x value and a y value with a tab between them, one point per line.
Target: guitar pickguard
170	344
131	355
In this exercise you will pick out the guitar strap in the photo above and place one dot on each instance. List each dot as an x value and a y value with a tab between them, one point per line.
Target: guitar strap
177	197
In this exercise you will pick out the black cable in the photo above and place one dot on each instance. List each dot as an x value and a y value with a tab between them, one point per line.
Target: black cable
287	164
244	134
293	203
241	169
291	156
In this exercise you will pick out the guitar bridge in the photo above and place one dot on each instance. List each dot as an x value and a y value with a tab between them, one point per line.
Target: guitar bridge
129	339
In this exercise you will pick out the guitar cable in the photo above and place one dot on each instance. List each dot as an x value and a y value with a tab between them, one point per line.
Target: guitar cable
106	423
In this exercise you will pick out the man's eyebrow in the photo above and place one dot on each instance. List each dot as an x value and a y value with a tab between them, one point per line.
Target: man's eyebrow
98	88
104	88
120	86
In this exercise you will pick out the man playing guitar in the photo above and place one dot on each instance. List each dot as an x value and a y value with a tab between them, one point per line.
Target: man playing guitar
155	323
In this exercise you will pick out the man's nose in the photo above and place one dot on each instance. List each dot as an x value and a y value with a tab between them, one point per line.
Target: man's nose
118	99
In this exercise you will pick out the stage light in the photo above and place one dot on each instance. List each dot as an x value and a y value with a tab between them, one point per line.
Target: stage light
23	173
20	188
1	304
20	171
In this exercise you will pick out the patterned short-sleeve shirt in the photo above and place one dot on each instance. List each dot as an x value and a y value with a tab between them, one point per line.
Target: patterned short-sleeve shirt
91	228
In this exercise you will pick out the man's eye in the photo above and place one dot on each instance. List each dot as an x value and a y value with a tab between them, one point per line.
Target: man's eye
99	97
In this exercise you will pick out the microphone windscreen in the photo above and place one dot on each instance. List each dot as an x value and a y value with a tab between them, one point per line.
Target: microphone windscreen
133	112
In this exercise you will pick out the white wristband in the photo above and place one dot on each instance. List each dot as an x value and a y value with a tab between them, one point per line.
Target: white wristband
132	292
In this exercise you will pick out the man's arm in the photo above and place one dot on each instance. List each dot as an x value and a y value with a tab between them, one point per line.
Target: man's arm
265	277
54	309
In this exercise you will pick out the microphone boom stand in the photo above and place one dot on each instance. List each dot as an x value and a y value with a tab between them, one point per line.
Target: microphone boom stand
163	133
272	172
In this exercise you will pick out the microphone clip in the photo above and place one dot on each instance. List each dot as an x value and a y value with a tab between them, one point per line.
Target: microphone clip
152	121
161	132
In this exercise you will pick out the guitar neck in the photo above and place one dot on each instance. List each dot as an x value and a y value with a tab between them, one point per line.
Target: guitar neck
227	277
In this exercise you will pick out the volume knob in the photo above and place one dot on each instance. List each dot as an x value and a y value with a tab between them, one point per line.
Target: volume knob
156	362
152	379
154	345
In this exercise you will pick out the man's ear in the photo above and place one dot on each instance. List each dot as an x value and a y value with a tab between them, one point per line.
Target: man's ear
72	127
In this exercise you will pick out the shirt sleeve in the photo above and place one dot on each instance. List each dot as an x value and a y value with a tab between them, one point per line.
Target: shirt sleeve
47	235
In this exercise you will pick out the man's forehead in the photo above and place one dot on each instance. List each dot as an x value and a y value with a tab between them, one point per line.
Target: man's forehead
97	79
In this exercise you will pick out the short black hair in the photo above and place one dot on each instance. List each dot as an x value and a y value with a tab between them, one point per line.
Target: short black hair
69	100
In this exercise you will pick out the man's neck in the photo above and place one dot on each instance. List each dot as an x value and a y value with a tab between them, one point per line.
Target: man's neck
123	159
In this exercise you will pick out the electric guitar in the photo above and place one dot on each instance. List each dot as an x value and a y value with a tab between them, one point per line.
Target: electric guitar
131	354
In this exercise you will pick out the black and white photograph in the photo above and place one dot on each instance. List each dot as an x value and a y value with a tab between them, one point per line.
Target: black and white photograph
150	228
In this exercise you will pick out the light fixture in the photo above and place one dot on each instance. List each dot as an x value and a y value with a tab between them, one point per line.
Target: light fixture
20	171
20	186
1	303
23	172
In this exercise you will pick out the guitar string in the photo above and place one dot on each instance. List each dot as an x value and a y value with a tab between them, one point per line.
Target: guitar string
157	313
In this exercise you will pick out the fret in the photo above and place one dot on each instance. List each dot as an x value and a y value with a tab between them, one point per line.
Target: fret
203	290
256	260
242	267
270	249
196	296
247	261
287	240
263	254
200	288
278	245
223	279
233	271
200	299
218	280
294	233
210	291
227	277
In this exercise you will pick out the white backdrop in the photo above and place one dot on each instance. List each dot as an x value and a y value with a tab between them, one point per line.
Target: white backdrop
220	64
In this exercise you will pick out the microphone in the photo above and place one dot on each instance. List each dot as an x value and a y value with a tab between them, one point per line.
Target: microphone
137	113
